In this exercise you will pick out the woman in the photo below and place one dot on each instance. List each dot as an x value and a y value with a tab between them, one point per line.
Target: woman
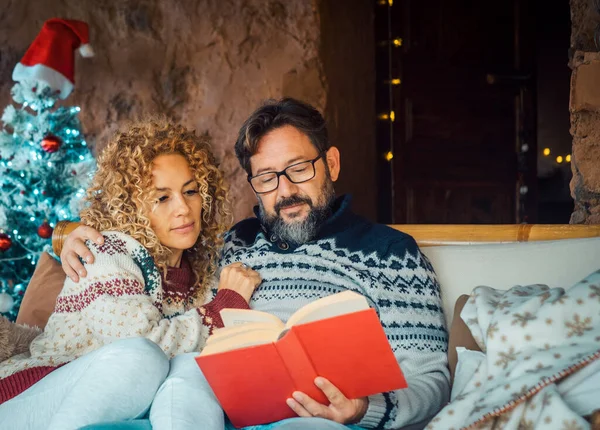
160	200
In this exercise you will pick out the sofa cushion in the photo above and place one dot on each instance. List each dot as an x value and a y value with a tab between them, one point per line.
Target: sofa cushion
41	293
140	424
460	268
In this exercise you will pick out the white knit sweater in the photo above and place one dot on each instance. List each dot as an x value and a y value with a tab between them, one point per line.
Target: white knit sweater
121	297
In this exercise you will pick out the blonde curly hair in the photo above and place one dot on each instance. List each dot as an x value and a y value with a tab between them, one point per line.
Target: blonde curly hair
122	193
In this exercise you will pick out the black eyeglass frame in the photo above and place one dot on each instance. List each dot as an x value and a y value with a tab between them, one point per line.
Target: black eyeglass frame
284	173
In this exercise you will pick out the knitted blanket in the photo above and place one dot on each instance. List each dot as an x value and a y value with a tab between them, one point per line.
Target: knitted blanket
540	364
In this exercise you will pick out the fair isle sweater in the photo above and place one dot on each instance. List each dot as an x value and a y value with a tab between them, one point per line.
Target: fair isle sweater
122	296
384	265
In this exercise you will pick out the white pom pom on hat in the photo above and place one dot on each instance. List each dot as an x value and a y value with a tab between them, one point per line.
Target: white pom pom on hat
51	56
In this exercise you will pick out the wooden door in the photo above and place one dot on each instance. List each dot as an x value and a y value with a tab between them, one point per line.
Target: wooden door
464	129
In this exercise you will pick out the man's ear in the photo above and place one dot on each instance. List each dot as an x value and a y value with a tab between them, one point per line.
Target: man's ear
333	161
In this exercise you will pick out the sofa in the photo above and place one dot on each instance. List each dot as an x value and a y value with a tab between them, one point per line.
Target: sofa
463	256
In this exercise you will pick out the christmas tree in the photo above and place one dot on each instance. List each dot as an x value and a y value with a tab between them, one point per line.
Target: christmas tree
45	162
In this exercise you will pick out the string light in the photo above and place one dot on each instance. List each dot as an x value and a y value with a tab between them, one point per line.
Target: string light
546	151
396	42
389	156
395	81
568	158
391	116
559	159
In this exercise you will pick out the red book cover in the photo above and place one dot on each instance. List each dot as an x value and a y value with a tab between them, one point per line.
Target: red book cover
351	350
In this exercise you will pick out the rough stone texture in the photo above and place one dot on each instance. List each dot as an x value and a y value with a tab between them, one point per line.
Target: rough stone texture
585	82
584	19
585	113
206	63
585	128
585	185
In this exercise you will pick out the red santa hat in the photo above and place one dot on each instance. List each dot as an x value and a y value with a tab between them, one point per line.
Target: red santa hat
51	58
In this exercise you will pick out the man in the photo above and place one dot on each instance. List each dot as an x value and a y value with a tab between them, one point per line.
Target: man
307	244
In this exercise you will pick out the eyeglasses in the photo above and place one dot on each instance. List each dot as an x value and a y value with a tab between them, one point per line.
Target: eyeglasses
296	173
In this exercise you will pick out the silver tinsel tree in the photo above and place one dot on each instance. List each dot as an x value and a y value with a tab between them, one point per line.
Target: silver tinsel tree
45	167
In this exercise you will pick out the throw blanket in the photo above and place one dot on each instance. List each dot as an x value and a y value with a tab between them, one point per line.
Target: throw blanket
540	364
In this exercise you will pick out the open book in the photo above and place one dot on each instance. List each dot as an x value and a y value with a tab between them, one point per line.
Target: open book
256	361
245	327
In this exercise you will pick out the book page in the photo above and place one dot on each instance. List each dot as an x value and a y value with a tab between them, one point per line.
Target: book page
328	307
229	332
240	337
236	317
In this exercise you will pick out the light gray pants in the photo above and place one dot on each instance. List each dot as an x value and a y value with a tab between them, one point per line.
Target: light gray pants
116	382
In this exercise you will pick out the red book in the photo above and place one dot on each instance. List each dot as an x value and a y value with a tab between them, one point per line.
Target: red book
253	368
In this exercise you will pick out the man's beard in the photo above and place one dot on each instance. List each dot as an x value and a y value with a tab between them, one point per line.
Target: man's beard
303	231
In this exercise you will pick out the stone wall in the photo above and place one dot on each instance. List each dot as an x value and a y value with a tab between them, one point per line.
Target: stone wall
206	63
585	114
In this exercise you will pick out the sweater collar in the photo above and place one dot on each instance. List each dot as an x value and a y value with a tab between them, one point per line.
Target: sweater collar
180	276
340	219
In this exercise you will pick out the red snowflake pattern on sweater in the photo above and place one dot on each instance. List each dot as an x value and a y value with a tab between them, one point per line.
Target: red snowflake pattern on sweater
115	287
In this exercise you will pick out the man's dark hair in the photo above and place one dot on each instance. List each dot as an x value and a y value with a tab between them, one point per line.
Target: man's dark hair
274	114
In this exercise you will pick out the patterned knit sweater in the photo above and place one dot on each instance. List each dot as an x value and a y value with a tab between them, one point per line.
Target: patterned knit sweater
384	265
122	296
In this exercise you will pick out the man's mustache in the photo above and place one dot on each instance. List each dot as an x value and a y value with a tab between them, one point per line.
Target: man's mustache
291	201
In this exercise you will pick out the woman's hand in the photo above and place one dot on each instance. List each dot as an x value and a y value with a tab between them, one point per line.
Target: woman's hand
74	247
240	278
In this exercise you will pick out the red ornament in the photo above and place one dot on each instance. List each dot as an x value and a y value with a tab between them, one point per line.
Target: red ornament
45	231
5	241
51	144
